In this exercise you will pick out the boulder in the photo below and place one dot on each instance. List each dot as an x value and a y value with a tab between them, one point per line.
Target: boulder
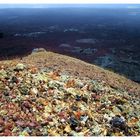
20	67
3	74
36	50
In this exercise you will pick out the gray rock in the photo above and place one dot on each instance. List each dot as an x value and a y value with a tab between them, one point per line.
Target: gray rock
87	41
3	74
118	122
20	67
36	50
65	45
96	130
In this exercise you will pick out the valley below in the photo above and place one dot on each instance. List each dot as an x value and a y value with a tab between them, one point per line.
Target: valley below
105	37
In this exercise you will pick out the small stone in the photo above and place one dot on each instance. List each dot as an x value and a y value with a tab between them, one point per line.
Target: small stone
1	129
84	118
6	93
111	114
80	84
27	129
63	120
41	77
78	129
3	112
32	125
1	121
14	79
48	108
70	83
3	74
36	50
26	104
51	85
95	97
34	91
72	91
85	99
20	67
74	108
73	123
138	124
24	133
24	90
107	117
82	123
96	130
73	133
20	123
118	122
78	98
116	110
67	129
64	78
2	86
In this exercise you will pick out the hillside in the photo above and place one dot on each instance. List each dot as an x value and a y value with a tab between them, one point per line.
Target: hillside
55	95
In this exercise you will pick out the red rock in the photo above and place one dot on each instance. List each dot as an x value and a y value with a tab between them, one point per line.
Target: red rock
8	125
20	123
1	121
7	133
26	104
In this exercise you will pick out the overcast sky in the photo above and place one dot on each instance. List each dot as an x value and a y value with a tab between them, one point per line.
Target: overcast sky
69	1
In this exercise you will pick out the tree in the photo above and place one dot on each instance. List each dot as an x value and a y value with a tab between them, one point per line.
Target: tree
1	35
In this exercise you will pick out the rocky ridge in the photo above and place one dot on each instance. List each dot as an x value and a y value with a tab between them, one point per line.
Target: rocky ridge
39	99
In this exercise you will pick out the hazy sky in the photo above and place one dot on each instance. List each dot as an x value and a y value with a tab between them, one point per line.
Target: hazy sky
69	1
61	3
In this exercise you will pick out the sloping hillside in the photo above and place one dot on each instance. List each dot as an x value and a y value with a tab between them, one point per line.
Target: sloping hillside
55	95
78	68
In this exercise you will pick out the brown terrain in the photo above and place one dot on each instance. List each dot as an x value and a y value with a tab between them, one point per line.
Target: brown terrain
68	73
77	68
48	94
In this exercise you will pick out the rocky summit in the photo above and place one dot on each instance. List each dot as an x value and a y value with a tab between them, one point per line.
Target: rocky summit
41	97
